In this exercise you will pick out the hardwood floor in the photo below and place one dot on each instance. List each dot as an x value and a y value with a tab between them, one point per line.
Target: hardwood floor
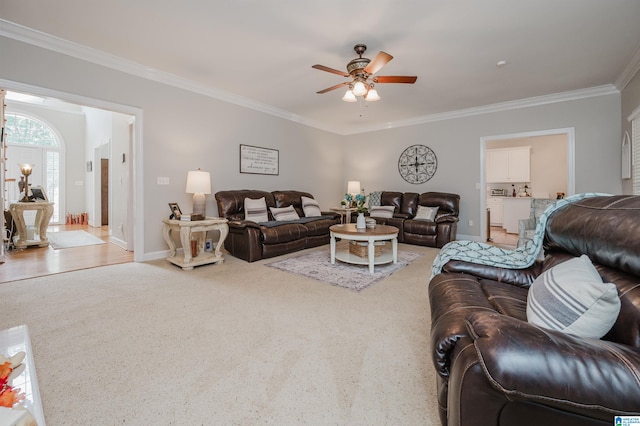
40	261
502	239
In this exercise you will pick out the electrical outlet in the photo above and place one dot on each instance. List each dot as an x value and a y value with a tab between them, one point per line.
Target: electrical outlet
163	181
470	223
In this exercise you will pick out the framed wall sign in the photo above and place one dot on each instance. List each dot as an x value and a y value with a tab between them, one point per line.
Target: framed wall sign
256	160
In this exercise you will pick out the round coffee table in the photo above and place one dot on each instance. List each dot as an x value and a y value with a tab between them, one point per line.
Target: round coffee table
349	232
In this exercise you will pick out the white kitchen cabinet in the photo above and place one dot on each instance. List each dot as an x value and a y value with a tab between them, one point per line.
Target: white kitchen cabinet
514	209
508	165
494	204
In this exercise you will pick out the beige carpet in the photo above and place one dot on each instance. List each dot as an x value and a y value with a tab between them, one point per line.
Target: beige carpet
68	239
235	343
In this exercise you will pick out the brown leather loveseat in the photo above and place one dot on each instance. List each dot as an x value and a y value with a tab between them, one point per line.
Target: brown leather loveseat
494	367
251	241
434	233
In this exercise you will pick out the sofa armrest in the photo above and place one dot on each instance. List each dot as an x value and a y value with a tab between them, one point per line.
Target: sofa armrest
240	224
517	277
524	225
446	218
550	367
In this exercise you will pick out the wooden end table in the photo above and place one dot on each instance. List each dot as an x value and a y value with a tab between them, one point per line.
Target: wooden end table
344	212
195	229
349	232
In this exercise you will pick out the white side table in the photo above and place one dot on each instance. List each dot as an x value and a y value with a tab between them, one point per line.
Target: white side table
344	212
195	229
44	211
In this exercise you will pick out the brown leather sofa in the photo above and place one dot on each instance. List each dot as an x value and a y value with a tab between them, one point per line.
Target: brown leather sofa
423	233
495	368
253	241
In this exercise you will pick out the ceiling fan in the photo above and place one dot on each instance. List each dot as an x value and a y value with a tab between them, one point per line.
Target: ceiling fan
360	71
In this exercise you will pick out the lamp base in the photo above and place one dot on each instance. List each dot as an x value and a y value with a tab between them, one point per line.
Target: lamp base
199	206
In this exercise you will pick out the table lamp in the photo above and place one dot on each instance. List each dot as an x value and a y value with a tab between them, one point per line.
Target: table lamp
198	184
26	170
353	187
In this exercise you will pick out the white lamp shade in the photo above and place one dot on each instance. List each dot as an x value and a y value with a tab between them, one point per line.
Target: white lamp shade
349	97
198	182
359	88
353	187
372	95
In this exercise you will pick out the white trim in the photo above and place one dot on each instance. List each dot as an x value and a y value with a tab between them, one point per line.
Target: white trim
46	41
137	184
630	71
570	132
634	114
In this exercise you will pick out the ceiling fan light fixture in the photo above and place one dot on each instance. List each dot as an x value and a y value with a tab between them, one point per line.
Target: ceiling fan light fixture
359	88
372	95
349	96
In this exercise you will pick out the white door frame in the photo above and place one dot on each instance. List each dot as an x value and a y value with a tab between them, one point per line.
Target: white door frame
136	188
569	132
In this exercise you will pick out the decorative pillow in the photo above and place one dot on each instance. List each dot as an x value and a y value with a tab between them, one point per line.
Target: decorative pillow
256	210
572	298
375	199
426	213
382	211
284	213
310	207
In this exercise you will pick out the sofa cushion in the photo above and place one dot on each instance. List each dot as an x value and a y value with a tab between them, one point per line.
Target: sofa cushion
284	213
426	213
572	298
382	211
255	210
310	207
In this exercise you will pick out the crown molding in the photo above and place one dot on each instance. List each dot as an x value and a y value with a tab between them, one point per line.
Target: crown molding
56	44
607	89
78	51
630	71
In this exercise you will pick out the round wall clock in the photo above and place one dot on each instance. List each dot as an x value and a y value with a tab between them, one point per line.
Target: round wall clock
417	164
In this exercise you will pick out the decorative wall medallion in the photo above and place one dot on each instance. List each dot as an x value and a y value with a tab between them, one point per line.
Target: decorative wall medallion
417	164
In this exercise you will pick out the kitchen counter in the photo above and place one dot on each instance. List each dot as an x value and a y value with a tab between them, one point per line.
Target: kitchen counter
514	209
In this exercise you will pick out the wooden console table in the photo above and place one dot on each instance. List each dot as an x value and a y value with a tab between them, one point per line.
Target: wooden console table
44	211
195	229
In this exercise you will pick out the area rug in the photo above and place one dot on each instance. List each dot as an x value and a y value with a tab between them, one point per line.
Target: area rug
317	265
68	239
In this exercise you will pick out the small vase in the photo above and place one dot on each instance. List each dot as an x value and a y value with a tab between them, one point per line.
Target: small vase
361	223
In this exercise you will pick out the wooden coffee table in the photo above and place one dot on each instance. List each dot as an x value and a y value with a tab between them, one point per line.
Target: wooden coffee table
349	232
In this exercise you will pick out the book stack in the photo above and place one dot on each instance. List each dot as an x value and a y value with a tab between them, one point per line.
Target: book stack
191	217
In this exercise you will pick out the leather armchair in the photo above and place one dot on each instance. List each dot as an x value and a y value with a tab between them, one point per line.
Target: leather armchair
496	368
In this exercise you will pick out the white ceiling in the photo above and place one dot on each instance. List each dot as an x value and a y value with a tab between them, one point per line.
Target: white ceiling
261	52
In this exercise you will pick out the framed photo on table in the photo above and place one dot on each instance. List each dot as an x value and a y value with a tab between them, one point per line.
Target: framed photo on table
37	194
175	211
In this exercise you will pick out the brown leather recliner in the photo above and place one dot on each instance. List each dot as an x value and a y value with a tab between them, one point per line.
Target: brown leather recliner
423	233
253	241
495	368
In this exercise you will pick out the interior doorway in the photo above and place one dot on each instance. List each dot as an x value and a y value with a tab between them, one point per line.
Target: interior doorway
563	144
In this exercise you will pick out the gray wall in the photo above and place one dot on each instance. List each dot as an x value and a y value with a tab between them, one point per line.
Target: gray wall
183	130
630	101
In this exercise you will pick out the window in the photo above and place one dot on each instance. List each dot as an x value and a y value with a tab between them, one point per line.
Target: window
30	140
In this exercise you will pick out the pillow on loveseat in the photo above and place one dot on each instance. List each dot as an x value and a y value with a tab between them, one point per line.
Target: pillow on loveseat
426	213
572	298
284	213
256	210
310	207
382	211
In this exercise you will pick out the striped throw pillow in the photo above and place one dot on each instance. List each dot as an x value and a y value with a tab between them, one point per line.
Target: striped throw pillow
256	210
310	207
284	213
572	298
426	213
382	211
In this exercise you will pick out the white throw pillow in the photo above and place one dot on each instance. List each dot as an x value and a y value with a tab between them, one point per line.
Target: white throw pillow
426	213
310	207
256	210
572	298
382	211
284	213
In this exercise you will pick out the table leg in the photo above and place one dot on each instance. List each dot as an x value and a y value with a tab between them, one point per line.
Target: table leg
332	241
394	248
21	228
166	233
42	222
224	231
372	253
185	239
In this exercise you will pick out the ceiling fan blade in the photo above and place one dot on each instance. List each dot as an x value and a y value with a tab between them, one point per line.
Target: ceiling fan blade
395	79
337	86
327	69
378	62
